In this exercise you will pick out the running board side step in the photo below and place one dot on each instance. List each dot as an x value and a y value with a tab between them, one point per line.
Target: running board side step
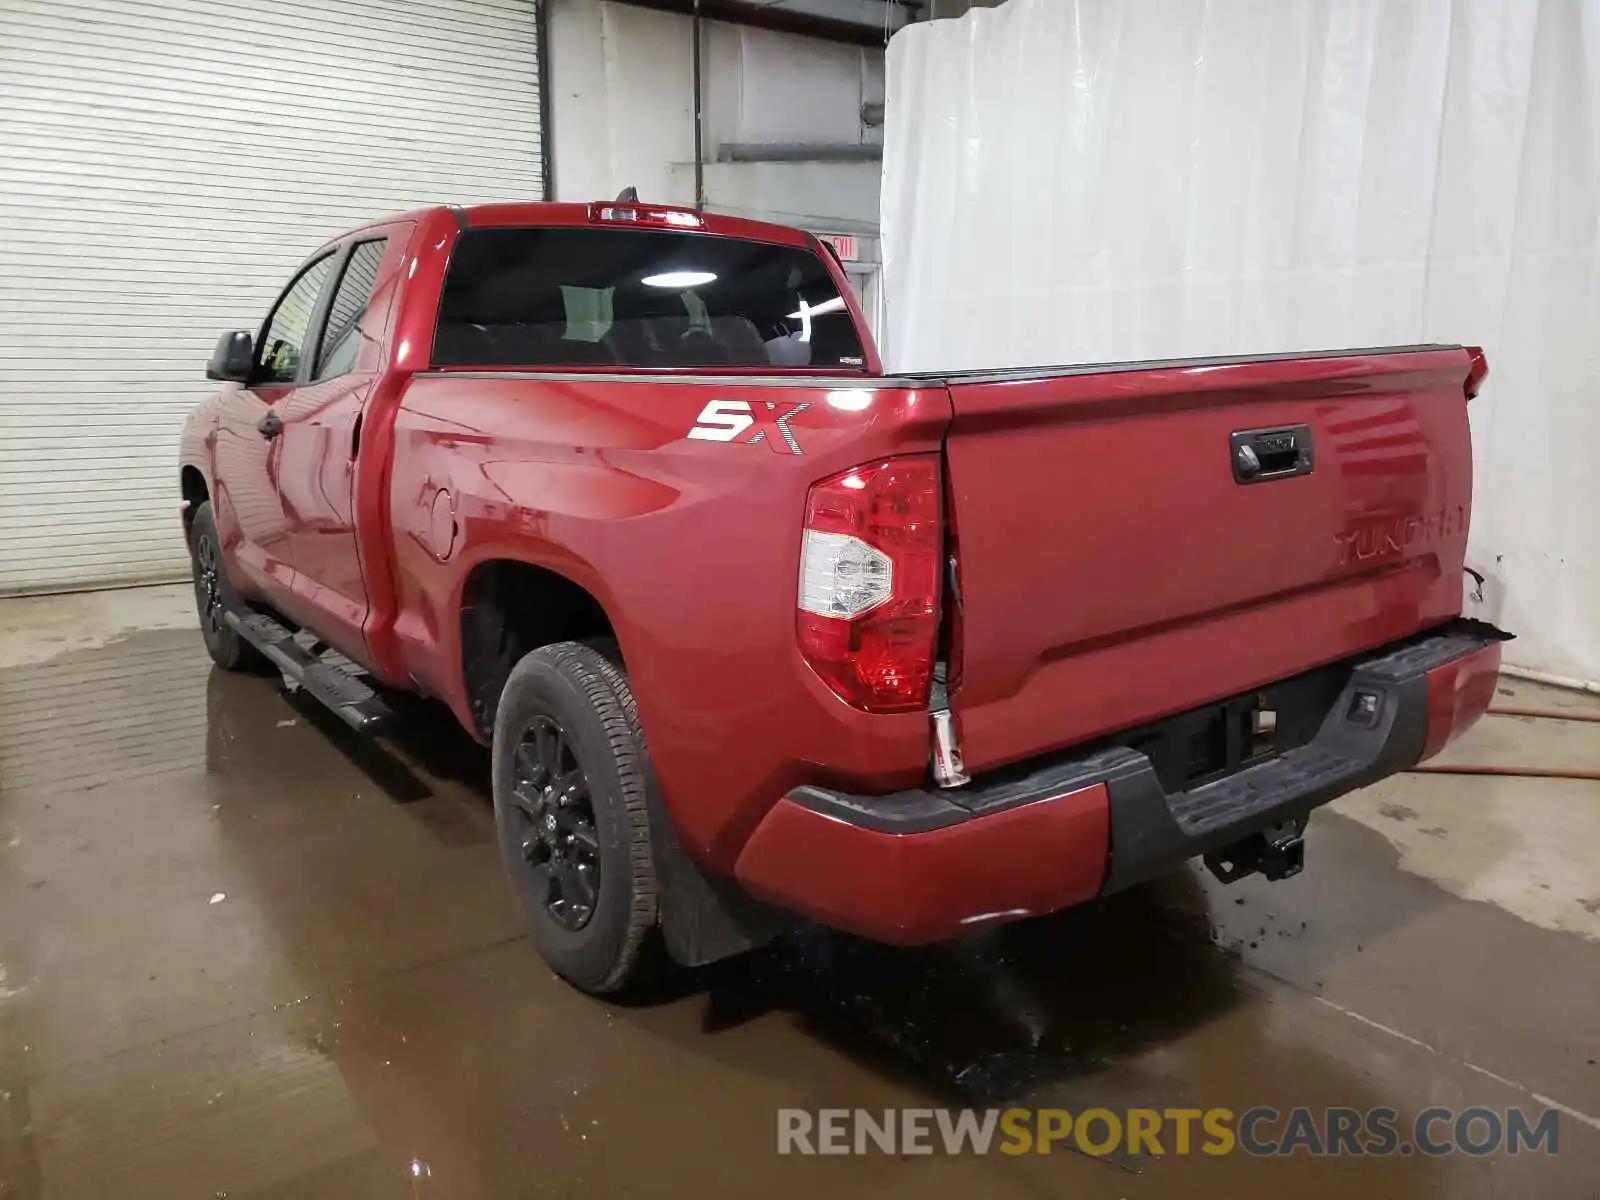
351	700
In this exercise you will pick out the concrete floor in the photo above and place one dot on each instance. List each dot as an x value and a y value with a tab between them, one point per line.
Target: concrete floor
244	954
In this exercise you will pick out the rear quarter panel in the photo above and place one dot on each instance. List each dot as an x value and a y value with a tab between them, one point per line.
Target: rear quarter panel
691	546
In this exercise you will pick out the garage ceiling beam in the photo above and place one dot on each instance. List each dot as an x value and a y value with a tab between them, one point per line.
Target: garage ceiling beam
858	22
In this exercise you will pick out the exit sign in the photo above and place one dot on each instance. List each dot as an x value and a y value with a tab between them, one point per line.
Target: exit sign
844	244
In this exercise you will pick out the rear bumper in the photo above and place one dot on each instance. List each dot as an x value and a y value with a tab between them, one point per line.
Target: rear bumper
925	865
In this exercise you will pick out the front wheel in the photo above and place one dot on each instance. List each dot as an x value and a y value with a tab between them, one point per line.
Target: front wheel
213	597
571	787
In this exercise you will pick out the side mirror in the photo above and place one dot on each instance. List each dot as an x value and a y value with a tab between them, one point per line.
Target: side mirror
232	359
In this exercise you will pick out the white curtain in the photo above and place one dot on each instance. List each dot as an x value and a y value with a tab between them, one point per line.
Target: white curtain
1104	180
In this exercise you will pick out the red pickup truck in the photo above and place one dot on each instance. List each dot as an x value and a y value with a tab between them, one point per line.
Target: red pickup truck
755	630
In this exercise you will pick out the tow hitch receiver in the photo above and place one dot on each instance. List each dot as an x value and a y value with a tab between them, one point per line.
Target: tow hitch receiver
1278	852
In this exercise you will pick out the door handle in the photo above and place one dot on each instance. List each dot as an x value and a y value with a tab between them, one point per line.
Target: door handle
1261	455
270	426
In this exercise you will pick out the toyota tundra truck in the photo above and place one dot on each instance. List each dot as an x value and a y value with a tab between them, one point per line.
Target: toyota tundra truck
757	632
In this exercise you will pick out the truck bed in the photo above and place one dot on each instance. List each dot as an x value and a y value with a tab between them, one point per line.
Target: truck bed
1022	374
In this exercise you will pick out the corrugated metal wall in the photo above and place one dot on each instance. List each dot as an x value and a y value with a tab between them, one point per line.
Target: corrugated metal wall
165	168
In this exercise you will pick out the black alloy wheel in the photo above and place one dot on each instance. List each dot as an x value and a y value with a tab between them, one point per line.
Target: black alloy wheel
560	844
573	790
213	597
208	584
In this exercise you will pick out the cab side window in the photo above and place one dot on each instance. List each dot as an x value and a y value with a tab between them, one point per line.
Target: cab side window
284	343
342	338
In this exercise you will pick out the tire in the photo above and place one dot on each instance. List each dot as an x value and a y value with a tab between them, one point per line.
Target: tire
213	596
571	787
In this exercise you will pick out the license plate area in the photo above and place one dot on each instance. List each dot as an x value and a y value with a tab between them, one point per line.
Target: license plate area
1197	747
1214	741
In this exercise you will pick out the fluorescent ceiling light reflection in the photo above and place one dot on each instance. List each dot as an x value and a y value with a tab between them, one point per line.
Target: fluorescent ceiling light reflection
806	310
850	400
678	279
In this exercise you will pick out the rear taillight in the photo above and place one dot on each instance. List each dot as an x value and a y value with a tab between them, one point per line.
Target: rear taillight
1477	370
869	582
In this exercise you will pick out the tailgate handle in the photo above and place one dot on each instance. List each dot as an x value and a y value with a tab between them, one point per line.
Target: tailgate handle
1260	455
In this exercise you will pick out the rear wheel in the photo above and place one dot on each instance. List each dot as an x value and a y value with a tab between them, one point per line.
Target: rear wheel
571	781
213	597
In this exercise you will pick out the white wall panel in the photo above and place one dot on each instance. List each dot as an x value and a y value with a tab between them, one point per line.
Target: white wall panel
1102	180
624	110
165	168
804	98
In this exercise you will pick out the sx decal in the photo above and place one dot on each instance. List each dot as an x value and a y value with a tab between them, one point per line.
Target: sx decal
725	420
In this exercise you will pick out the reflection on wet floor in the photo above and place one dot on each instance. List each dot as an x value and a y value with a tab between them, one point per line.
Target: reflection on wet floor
244	952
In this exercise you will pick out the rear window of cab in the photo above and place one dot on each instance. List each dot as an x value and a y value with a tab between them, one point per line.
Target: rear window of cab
598	298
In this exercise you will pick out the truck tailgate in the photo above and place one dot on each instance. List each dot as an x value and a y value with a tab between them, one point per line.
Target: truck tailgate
1138	540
